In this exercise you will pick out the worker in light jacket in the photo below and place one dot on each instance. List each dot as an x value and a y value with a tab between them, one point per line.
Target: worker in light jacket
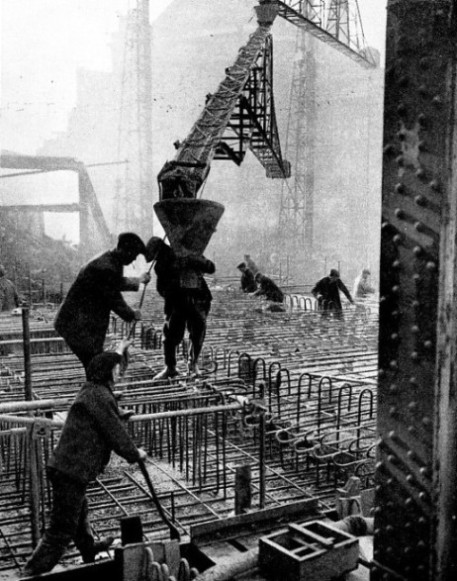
83	317
187	301
92	430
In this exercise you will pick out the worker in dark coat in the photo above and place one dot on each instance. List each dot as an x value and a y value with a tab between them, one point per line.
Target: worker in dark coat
9	299
187	301
92	430
248	284
327	292
268	289
83	317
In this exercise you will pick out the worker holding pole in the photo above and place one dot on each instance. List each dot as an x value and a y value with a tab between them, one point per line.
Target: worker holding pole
93	429
83	317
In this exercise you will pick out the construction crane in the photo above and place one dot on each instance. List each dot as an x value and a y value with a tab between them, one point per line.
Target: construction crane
241	113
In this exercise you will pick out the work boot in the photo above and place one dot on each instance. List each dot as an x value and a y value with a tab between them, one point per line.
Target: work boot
43	559
99	546
166	373
193	369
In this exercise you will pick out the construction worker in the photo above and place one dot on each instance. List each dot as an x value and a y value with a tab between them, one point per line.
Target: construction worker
251	264
9	299
268	289
92	430
327	292
187	301
248	284
362	286
83	317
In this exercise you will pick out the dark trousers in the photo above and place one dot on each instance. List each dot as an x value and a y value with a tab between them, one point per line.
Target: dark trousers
83	353
69	521
186	311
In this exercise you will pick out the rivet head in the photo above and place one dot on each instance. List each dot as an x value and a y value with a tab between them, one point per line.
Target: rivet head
437	101
412	405
420	172
392	434
420	200
422	118
393	388
396	289
397	238
396	264
426	421
411	429
416	277
390	481
393	364
414	355
400	214
428	344
423	90
418	226
394	337
392	410
400	160
431	266
417	250
415	329
401	109
399	189
413	380
409	501
416	304
435	185
389	149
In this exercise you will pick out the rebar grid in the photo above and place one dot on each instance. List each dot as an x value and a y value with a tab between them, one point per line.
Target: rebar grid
315	378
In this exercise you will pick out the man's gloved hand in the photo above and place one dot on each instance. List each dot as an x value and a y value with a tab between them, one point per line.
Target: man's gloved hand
145	278
137	315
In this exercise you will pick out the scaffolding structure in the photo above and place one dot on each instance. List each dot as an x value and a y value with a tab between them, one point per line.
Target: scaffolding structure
134	200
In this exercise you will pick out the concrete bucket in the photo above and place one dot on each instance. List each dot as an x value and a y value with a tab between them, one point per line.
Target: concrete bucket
189	223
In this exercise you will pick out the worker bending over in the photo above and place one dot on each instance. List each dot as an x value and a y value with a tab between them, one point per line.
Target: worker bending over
187	301
247	283
83	317
268	289
9	299
327	292
92	430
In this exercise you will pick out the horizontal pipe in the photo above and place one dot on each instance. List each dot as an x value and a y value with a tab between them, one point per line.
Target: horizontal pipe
8	419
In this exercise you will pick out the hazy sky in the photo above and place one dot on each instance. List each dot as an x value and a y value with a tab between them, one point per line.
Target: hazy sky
44	42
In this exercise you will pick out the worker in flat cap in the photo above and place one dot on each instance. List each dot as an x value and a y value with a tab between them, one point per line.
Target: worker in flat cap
187	301
83	317
327	292
93	429
9	299
247	283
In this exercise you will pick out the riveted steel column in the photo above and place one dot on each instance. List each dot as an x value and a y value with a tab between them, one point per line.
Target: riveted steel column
416	469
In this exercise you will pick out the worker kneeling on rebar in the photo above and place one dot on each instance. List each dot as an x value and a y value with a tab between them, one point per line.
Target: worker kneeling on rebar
92	430
187	301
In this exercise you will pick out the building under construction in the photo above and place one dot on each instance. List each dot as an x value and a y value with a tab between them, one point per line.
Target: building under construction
310	447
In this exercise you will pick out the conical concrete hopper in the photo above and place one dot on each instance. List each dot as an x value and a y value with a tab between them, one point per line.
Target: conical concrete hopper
189	223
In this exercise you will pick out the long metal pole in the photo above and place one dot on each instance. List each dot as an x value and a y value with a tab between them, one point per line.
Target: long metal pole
27	358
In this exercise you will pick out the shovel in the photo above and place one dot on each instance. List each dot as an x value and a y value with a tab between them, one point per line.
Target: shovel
174	533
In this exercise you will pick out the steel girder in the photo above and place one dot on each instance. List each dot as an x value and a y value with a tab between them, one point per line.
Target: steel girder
335	24
92	221
415	518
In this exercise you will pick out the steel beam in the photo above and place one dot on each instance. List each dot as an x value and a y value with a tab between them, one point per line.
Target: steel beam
415	521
